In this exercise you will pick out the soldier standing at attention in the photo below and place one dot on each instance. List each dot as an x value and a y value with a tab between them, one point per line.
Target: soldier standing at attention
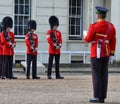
102	36
31	40
54	39
8	42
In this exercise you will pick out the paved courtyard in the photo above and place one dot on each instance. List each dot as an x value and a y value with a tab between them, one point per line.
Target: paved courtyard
74	89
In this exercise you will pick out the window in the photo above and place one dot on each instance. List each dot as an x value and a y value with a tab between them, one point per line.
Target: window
22	15
75	19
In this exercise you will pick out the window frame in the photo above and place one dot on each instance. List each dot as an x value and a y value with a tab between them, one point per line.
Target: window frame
75	16
23	15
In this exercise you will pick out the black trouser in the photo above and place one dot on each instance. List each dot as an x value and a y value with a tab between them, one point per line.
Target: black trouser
100	76
33	59
7	65
50	64
1	57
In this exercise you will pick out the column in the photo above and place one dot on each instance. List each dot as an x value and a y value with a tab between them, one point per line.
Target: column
115	19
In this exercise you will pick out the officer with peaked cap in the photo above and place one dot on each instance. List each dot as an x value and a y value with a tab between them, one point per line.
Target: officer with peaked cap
101	10
102	36
54	39
8	42
31	40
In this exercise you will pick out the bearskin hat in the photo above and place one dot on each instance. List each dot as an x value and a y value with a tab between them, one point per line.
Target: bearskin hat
53	21
7	22
32	24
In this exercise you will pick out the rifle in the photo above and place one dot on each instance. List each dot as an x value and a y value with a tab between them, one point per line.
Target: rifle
8	39
55	41
32	43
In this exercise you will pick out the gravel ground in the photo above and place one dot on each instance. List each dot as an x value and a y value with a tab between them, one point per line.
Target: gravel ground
74	89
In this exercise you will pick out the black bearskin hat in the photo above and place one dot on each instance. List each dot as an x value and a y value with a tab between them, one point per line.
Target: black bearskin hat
53	21
32	24
7	22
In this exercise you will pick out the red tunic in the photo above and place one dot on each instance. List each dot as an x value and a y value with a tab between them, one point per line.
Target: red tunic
58	36
105	32
7	49
28	44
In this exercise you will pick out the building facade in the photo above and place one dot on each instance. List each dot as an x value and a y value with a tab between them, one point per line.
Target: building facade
74	16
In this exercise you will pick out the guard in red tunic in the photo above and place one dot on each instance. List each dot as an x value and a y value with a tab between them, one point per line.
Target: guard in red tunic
31	40
8	44
54	39
102	36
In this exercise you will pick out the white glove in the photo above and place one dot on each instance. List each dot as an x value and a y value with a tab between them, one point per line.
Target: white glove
84	33
111	58
36	49
13	45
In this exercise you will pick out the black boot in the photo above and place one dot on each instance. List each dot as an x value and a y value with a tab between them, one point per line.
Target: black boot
12	77
102	100
49	77
96	100
59	77
36	77
28	77
2	77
